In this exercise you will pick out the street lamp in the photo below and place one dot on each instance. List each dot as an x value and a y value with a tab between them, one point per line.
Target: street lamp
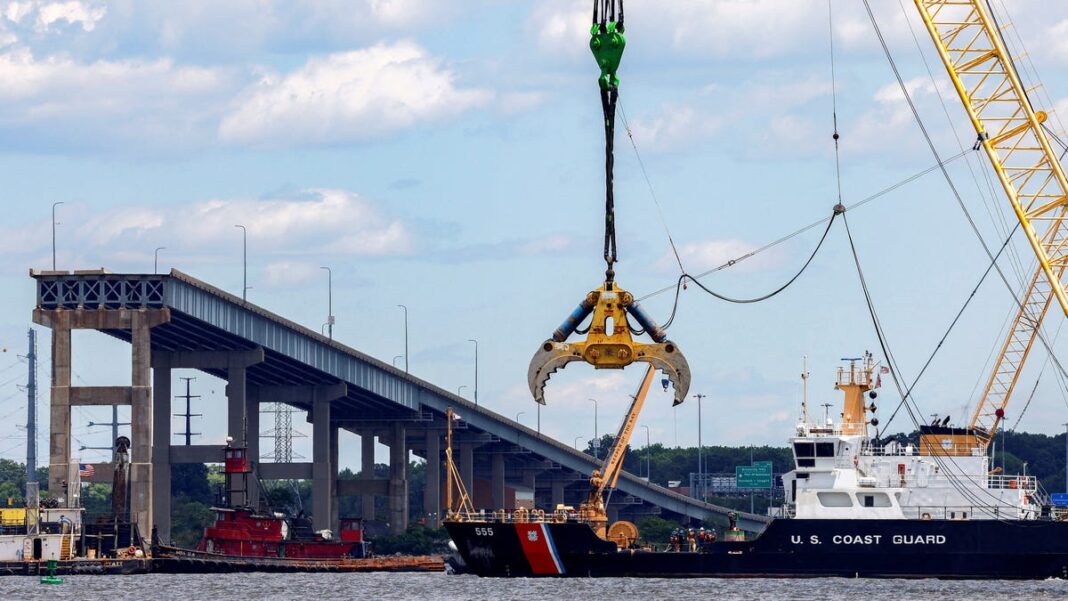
395	357
476	368
405	337
648	461
577	438
155	258
596	438
329	301
54	205
700	451
244	262
517	416
460	390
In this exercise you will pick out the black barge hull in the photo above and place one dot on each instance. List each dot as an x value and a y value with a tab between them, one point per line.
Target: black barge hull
962	549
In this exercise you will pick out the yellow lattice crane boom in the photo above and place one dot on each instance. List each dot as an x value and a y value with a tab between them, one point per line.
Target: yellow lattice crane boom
1011	133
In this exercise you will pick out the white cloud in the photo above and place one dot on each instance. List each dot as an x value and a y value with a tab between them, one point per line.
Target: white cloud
289	274
753	29
102	103
349	96
673	126
315	222
518	102
46	14
73	12
706	254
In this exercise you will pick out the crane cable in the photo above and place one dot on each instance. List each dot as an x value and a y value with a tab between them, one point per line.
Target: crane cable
971	222
607	43
652	192
949	181
880	333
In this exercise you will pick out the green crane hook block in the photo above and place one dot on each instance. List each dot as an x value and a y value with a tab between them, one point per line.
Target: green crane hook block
607	46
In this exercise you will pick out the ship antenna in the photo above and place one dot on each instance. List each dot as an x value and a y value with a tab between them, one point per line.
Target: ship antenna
804	388
826	413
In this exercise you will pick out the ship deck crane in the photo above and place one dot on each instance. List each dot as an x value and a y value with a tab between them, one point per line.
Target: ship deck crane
1011	133
593	509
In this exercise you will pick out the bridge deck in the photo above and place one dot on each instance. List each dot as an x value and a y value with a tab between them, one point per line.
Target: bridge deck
205	318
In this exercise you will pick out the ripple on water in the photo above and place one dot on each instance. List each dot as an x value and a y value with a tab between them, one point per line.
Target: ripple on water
432	587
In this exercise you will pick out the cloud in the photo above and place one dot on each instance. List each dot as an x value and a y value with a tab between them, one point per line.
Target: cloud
350	96
673	127
518	102
100	104
311	223
713	29
547	245
73	12
701	256
289	274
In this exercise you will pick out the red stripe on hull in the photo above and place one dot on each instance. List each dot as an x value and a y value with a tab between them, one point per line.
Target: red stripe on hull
536	547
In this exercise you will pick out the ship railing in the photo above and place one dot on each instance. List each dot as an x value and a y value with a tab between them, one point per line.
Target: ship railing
520	516
786	510
966	512
896	450
852	375
1002	481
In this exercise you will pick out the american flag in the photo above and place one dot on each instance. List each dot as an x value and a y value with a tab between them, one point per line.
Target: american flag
86	470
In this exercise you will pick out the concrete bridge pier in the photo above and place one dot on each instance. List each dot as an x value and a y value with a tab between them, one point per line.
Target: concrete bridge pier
398	480
161	447
324	474
367	473
138	395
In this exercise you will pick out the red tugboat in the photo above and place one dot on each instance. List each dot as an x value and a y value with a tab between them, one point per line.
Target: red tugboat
248	532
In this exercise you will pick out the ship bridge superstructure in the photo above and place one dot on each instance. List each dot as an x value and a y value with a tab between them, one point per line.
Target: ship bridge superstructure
841	473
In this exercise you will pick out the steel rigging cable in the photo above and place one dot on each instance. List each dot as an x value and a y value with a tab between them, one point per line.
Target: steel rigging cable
607	45
949	180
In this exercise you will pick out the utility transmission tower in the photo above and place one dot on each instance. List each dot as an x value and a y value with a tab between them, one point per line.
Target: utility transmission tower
31	408
114	423
188	415
283	433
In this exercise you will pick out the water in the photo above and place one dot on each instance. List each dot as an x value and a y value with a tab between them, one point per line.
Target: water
429	587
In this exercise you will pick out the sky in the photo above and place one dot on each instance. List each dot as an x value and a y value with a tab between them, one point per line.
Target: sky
448	156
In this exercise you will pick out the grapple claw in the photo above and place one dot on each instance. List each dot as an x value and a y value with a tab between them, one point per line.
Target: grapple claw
667	358
549	358
609	344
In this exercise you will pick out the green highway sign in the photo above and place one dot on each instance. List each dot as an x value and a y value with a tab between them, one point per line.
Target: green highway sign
758	475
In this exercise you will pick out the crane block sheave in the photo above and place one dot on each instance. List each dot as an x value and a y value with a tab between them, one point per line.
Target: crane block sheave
1011	133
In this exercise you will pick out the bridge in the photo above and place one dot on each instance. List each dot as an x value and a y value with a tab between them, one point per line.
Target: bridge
176	321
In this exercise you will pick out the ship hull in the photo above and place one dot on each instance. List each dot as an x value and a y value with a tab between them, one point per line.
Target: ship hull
977	549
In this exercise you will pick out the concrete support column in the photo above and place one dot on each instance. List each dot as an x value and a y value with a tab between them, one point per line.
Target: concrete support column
467	468
59	414
237	422
432	491
252	443
321	468
161	444
367	472
497	483
398	481
334	522
558	494
141	424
